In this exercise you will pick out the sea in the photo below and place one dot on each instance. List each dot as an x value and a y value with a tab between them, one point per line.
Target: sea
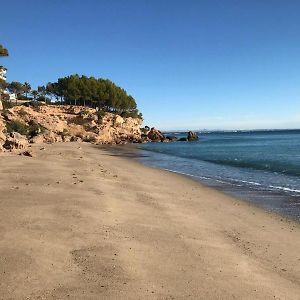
262	167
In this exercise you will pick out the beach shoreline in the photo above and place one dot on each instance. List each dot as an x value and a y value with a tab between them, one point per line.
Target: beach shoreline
80	222
275	202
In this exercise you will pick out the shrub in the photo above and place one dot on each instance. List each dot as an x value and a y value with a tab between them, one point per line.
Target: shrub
35	129
132	114
30	130
23	97
17	126
7	104
100	114
85	112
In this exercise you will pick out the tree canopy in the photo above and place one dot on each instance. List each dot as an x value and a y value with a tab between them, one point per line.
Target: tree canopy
3	51
92	92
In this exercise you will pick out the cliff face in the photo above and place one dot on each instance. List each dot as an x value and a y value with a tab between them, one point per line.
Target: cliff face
50	124
2	134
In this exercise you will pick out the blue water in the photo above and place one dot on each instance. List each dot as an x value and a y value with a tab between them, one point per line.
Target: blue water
259	166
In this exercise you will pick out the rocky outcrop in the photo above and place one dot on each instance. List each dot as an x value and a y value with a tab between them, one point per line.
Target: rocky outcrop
51	124
192	136
155	135
15	141
2	133
171	138
184	139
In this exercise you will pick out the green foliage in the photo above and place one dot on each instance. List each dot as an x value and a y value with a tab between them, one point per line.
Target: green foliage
34	94
6	104
42	99
26	88
3	51
23	97
17	126
85	112
100	114
92	92
30	130
132	114
16	87
34	129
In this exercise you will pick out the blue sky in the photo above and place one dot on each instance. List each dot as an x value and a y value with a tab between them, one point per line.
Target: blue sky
189	64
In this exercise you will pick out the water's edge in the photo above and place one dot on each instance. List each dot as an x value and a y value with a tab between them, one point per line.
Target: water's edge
275	201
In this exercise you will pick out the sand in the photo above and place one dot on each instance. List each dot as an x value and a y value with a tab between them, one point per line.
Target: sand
77	222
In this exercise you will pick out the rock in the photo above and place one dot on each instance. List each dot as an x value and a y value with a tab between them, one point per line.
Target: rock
182	139
76	139
8	114
171	138
2	134
16	141
192	136
66	138
1	105
27	153
155	135
39	139
63	123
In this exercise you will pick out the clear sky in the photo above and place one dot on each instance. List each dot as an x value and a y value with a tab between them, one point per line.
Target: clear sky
190	64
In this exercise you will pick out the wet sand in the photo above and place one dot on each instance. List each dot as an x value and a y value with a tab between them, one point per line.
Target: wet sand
77	222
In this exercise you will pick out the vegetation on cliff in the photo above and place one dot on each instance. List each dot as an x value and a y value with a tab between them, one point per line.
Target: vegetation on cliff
92	92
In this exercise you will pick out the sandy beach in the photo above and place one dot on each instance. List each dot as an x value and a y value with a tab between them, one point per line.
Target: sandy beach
77	222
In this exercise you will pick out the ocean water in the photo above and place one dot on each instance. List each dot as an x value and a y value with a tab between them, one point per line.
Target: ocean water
262	167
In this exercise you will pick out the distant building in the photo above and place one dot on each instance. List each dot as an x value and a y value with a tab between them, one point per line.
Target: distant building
12	97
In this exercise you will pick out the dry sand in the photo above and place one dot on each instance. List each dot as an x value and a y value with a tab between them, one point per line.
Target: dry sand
79	223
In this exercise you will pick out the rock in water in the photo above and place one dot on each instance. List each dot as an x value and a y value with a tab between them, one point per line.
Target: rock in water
171	138
155	135
192	136
182	139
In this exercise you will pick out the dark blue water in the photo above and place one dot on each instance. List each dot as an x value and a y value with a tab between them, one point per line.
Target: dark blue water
259	166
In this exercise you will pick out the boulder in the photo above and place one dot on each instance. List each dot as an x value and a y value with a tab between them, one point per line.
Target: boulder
16	141
51	137
182	139
192	136
39	139
28	153
171	138
76	139
155	135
